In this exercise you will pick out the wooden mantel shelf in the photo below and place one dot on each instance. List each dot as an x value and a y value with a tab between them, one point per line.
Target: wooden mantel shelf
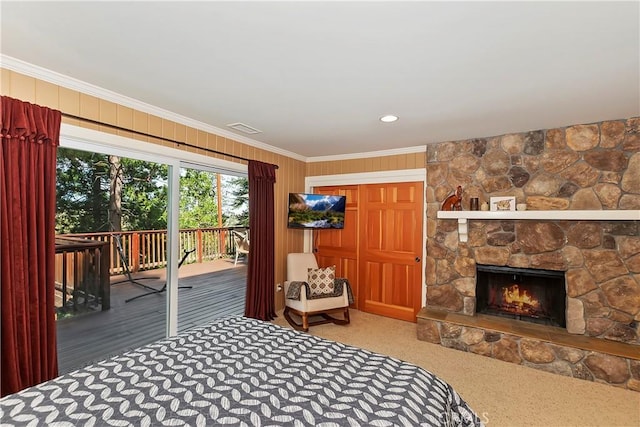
593	215
559	215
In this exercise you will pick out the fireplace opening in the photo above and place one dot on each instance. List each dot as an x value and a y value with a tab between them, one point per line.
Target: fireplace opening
532	295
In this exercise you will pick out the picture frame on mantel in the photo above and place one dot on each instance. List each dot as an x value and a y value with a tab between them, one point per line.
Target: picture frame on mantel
502	203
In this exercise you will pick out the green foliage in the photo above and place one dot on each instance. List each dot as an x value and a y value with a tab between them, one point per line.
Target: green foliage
83	193
198	207
144	195
237	198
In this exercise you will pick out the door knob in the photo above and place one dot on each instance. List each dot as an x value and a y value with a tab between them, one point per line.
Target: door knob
417	259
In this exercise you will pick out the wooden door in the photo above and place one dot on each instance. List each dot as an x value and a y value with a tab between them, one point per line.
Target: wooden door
390	262
340	247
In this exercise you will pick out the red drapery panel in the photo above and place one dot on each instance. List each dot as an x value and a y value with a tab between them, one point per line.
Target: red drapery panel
260	302
30	137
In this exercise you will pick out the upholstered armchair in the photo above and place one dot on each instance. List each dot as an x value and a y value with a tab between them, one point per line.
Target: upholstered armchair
312	293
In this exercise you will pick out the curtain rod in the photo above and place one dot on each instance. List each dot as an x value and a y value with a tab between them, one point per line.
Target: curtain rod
209	150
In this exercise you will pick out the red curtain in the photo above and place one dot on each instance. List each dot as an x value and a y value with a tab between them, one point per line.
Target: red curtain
30	137
260	302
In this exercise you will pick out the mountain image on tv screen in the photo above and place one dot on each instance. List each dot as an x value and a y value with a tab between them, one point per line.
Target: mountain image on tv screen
316	211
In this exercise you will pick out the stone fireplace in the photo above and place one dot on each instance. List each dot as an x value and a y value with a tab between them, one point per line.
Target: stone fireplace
530	295
583	167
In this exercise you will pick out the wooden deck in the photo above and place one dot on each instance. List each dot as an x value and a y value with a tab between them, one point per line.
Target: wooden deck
218	289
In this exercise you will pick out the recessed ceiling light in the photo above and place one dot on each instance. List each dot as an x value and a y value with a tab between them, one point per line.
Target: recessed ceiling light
388	118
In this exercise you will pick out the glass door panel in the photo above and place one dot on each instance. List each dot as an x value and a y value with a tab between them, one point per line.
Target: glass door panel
213	208
111	255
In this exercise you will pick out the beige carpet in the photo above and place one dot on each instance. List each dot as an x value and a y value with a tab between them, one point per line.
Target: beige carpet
501	393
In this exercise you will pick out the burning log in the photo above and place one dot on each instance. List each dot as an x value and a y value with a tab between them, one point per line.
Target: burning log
519	301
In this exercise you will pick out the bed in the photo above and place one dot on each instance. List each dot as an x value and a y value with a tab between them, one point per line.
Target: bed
242	371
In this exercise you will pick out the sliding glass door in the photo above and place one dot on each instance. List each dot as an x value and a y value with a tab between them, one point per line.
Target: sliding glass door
111	254
213	215
128	276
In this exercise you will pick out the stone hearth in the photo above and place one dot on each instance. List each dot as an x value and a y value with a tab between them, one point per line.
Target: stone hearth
594	166
550	349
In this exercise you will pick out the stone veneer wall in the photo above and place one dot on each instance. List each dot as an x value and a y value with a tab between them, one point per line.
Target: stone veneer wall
592	166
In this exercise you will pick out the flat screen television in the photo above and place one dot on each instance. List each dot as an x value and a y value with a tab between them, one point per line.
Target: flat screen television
316	211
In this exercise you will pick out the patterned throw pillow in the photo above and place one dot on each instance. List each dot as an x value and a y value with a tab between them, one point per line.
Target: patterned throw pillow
321	280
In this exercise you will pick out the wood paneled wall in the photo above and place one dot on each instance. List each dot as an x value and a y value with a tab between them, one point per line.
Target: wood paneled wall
290	175
370	164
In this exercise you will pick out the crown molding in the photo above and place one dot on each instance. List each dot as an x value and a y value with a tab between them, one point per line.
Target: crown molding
53	77
56	78
381	153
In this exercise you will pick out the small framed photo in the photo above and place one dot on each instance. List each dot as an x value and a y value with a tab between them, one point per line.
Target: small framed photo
503	204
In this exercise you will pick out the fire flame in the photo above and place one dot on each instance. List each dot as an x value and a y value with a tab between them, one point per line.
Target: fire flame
520	298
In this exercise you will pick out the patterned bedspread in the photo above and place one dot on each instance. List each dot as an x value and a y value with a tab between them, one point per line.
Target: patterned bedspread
242	371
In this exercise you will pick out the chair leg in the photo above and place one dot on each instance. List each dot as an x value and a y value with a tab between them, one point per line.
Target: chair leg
295	325
236	263
304	317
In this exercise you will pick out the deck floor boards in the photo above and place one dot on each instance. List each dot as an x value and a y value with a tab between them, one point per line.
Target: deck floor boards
218	289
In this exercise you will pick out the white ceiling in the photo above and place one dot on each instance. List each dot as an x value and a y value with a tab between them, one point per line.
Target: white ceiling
315	77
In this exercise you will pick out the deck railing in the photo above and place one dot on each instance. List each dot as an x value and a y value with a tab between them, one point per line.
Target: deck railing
147	249
82	275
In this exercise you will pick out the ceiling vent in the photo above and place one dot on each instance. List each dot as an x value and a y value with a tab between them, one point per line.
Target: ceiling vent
244	128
